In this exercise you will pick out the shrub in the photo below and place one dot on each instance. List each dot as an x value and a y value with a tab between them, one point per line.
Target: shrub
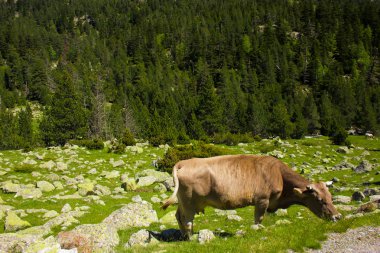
128	139
178	153
25	168
116	147
90	144
339	137
232	139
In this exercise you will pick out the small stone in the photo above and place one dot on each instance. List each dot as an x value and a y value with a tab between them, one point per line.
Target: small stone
50	214
282	212
358	196
283	222
155	199
234	217
370	192
102	190
129	184
66	208
240	233
137	199
61	166
118	163
343	150
205	236
374	197
257	227
363	167
339	199
86	188
160	188
142	238
58	185
92	171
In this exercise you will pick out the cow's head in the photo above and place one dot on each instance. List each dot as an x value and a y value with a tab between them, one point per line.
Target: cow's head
318	199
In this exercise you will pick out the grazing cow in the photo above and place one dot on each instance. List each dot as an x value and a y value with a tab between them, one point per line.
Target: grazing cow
233	181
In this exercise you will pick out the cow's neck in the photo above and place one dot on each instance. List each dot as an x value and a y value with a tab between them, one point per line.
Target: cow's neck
291	180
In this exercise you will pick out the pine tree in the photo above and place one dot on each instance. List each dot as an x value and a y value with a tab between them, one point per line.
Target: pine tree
65	118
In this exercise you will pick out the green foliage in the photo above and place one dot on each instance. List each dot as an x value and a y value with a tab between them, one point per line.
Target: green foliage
95	144
25	168
287	68
231	139
128	139
183	152
65	118
339	136
116	147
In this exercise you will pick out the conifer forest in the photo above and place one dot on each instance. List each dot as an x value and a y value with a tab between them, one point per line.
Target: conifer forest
170	71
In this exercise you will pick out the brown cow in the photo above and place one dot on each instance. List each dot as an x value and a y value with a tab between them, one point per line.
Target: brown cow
233	181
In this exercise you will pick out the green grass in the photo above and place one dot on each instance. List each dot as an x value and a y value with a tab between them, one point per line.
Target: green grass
305	230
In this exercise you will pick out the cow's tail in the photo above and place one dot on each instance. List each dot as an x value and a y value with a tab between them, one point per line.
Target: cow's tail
173	197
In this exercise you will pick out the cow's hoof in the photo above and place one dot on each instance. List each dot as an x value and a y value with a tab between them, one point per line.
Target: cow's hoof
257	227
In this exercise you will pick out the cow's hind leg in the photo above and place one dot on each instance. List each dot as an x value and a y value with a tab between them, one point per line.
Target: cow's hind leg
261	206
185	221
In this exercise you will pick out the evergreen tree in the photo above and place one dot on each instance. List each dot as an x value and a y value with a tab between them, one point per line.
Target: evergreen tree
65	118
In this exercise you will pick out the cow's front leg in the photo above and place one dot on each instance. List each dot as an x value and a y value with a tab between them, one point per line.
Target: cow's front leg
261	206
185	221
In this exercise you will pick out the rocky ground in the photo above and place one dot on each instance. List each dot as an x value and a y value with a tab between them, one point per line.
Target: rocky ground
358	240
70	199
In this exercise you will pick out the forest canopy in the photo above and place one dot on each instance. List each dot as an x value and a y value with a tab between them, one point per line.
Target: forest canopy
170	71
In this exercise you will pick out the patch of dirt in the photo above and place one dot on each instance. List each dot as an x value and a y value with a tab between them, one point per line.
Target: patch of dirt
358	240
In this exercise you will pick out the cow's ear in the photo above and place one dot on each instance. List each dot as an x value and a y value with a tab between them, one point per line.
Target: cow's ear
297	192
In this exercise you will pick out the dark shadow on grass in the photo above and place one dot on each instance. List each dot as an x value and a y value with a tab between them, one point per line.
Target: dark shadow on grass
174	235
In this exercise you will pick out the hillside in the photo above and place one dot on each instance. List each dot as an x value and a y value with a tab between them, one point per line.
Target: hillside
171	71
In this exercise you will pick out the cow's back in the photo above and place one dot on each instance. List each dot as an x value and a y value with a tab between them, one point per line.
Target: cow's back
229	182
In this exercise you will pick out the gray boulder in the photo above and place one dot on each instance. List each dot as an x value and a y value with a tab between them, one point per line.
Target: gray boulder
343	150
358	196
45	186
14	223
145	181
205	236
158	175
141	238
339	199
160	188
89	238
363	167
102	190
29	193
9	187
129	184
132	215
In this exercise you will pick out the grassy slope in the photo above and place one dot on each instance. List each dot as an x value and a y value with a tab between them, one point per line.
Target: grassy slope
305	229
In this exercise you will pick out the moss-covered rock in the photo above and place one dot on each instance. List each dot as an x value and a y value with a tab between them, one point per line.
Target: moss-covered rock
29	193
132	215
45	186
86	188
93	237
14	223
129	184
10	187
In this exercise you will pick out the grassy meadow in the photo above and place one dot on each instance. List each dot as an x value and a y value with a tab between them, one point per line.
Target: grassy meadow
298	230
